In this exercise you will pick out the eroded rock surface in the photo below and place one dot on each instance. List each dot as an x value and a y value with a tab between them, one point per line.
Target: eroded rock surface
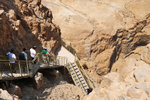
39	80
24	23
129	79
101	31
4	95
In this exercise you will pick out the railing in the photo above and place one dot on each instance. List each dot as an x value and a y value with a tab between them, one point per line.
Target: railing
70	48
90	83
61	61
23	68
56	61
20	68
52	60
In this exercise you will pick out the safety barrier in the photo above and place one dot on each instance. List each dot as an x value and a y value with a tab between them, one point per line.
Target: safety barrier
12	70
77	61
27	68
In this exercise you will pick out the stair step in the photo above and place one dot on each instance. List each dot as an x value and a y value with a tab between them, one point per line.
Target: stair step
76	71
78	83
84	85
73	64
82	80
80	77
78	74
75	68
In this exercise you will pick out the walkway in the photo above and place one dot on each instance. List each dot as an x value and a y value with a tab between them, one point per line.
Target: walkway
65	57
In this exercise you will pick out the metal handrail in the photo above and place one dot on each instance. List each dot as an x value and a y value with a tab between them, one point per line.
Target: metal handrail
63	61
82	70
18	64
70	48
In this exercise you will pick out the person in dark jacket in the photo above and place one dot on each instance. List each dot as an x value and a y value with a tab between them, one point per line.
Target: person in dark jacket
23	57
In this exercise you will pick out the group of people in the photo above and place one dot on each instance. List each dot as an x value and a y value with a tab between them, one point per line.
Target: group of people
23	55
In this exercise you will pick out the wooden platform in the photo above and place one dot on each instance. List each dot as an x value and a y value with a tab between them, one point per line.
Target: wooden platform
30	68
33	68
50	66
7	75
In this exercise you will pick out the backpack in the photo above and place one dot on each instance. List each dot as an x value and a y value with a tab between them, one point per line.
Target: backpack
21	56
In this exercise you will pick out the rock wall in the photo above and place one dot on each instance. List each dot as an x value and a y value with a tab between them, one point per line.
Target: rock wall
25	23
129	79
101	31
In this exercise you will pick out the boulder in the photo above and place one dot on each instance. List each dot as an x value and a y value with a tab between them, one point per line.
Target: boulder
12	14
146	54
39	80
1	11
142	74
137	93
15	90
4	95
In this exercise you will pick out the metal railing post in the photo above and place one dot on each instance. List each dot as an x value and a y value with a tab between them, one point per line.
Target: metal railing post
27	65
20	68
1	77
10	67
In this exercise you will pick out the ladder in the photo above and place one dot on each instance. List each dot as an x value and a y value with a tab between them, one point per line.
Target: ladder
77	76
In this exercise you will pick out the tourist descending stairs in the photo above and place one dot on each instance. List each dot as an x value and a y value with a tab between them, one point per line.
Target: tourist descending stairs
77	76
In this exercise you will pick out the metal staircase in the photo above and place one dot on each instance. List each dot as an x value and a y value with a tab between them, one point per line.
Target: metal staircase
77	76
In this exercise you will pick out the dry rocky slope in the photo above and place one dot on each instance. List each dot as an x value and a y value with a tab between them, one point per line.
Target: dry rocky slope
108	36
24	23
102	31
129	79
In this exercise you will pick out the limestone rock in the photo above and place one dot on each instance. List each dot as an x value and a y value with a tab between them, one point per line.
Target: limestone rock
39	80
12	14
142	74
129	80
103	62
105	83
21	23
66	92
5	95
136	93
1	11
102	30
146	54
15	90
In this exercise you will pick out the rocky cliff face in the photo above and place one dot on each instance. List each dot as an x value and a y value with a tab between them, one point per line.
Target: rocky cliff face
129	79
24	23
102	31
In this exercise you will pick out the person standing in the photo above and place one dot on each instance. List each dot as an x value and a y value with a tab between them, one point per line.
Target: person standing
12	58
44	55
23	56
33	52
